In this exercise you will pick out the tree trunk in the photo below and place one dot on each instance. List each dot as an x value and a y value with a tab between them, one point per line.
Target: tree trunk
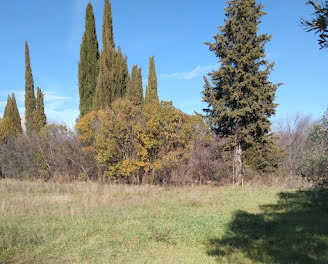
238	166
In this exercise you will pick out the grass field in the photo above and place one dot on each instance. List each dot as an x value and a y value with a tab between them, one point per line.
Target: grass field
93	223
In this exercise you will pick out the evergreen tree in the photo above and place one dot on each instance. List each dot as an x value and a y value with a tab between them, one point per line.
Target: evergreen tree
88	65
135	91
16	115
240	97
8	107
151	89
40	119
12	116
121	75
29	93
105	82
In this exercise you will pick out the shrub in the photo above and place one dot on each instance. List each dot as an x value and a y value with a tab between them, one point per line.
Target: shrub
313	161
149	144
55	153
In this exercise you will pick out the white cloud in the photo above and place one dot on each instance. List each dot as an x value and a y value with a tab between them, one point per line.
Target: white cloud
62	116
196	72
50	96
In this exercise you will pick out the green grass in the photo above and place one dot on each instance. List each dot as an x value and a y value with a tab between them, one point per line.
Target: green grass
93	223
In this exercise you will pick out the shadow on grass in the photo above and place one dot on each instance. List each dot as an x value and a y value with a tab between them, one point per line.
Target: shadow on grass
295	230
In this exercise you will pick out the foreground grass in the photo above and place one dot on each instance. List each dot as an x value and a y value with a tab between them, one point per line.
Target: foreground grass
93	223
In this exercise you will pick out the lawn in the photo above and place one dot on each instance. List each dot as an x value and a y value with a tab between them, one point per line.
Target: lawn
94	223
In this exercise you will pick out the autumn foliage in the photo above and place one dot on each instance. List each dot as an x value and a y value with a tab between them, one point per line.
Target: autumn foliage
136	144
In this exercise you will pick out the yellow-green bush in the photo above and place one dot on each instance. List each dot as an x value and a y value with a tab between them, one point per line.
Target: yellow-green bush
138	144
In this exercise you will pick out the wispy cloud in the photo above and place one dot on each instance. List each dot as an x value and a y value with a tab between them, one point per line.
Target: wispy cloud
50	96
60	109
62	116
196	72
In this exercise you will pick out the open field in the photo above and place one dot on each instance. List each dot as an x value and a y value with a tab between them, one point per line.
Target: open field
93	223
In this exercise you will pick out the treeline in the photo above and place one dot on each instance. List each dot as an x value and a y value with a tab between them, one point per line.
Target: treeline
123	136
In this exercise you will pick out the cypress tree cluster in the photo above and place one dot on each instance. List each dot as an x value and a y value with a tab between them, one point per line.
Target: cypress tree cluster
113	80
135	90
35	117
241	98
11	114
151	89
89	64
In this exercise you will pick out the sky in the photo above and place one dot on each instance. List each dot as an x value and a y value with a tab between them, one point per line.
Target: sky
172	31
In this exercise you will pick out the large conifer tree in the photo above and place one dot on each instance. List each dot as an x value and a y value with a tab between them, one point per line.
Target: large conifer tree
105	82
151	89
89	64
135	91
241	98
30	101
40	119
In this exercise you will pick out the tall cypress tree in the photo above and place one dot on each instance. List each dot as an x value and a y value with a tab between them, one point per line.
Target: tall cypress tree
29	93
135	91
88	65
8	107
105	82
151	89
40	119
241	98
12	116
121	75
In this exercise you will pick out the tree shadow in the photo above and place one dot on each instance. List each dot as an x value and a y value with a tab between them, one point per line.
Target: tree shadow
295	230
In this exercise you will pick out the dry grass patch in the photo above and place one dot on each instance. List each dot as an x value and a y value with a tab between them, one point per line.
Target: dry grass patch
101	223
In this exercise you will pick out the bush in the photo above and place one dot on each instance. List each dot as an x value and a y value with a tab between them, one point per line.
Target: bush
154	143
55	153
313	161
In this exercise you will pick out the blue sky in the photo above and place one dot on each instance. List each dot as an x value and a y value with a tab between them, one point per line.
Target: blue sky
173	31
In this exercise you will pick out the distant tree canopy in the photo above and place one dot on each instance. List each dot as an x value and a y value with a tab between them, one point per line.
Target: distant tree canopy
319	24
240	97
